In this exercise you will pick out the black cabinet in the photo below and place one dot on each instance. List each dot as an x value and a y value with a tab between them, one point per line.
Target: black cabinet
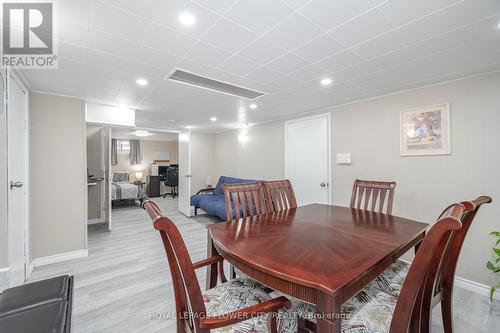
154	186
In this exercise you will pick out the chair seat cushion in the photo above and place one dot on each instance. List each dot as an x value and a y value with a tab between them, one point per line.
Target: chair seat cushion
238	294
370	310
392	279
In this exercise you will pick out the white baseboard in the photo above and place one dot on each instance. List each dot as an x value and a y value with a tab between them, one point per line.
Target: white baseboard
475	287
31	267
38	262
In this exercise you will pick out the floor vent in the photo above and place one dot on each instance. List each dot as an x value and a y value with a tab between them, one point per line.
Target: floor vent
203	82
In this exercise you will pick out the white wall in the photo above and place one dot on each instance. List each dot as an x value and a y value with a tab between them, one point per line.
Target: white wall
370	131
58	175
202	160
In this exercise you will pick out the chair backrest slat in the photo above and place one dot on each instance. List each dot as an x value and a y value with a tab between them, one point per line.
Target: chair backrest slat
187	291
280	195
243	200
423	272
367	193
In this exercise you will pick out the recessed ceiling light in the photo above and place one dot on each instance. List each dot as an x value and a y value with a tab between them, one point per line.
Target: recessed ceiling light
326	81
142	82
187	18
171	120
142	133
253	106
213	119
189	127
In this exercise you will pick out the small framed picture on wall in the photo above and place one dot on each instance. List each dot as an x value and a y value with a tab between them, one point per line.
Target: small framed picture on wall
425	131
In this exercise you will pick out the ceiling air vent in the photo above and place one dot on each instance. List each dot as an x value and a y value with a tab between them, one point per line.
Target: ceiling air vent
181	76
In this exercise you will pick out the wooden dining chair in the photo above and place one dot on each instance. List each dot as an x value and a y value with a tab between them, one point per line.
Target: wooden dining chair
238	305
280	195
392	279
243	200
371	195
374	310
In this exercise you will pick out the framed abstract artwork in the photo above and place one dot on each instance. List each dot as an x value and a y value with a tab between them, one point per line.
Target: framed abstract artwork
425	131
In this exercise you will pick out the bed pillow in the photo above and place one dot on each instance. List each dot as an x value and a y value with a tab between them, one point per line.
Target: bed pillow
120	177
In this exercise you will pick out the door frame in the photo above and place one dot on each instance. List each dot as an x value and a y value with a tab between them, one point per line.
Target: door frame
11	75
328	116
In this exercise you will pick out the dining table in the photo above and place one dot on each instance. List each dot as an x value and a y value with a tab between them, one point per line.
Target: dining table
320	254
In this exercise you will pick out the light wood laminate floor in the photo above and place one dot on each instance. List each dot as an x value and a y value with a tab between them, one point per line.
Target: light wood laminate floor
125	279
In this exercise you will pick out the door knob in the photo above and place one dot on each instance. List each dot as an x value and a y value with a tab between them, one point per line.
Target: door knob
188	176
322	184
15	184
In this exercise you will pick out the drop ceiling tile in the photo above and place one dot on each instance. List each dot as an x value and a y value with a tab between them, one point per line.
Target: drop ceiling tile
219	6
296	4
73	33
168	40
156	58
263	75
251	15
144	8
285	83
308	73
239	66
194	67
385	43
339	61
403	11
293	32
118	22
76	11
319	48
287	63
362	28
262	51
104	42
229	36
169	17
459	15
208	55
73	52
330	14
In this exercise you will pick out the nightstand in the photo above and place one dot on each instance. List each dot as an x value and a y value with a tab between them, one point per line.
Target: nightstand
140	183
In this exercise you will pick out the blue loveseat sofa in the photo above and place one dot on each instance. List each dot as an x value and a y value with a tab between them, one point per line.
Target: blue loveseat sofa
213	203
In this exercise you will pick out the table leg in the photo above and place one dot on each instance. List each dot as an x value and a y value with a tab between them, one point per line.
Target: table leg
211	280
329	313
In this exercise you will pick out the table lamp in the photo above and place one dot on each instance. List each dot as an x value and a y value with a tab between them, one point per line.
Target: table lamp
138	175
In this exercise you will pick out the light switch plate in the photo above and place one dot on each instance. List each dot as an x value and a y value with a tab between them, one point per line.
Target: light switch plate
344	158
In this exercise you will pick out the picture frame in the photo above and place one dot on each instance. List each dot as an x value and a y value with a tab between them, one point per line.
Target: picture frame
425	131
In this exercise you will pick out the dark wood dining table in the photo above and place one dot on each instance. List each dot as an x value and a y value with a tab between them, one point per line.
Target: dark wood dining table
321	254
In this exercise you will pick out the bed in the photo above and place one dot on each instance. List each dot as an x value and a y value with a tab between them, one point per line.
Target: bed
123	189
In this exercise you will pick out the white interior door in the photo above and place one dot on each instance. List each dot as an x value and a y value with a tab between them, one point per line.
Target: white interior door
308	158
17	176
107	175
184	203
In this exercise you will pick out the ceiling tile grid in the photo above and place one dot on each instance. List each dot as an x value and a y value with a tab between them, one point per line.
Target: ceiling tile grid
281	47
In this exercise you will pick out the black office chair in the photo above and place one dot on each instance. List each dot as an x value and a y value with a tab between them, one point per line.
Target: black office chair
172	180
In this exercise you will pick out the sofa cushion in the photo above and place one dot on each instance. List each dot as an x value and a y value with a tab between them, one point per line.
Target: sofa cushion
214	205
219	189
195	199
34	294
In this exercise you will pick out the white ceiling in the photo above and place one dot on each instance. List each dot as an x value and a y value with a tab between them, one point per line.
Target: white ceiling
284	48
128	134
